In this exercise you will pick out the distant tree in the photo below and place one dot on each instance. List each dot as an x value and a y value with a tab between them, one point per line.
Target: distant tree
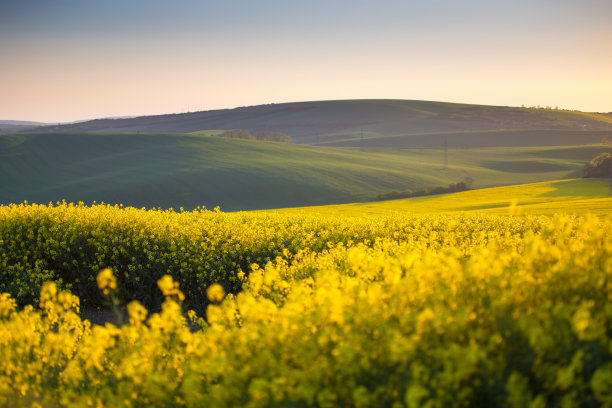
599	166
237	134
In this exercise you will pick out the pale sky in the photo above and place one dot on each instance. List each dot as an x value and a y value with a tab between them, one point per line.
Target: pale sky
67	60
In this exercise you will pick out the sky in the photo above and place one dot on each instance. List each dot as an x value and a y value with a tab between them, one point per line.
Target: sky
68	60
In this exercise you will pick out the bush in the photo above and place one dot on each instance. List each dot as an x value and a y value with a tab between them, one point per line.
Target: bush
237	134
599	166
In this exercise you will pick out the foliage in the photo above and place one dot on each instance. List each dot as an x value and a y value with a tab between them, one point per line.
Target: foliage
599	166
464	185
237	134
390	310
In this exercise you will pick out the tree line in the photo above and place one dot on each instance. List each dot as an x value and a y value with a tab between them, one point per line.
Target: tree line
464	185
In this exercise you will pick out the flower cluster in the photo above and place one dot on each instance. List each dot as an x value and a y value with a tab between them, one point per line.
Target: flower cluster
70	244
106	281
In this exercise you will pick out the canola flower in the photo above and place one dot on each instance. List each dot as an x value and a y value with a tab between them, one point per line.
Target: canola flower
395	310
71	243
106	281
215	293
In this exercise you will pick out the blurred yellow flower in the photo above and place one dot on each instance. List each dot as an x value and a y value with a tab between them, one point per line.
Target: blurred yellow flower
215	293
106	281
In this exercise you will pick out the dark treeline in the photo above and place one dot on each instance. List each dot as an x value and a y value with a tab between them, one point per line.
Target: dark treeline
464	185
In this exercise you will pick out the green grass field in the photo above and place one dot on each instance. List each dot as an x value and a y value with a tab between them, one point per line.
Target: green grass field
174	170
467	139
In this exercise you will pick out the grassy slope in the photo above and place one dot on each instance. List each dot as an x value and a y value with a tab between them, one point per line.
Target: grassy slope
482	138
574	196
170	170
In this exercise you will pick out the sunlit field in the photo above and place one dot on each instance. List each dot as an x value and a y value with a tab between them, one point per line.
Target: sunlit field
210	204
180	170
572	196
404	303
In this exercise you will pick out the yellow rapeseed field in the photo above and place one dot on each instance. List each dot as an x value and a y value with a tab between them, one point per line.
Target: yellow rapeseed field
304	309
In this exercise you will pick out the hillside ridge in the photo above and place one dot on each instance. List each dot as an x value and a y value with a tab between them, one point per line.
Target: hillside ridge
309	122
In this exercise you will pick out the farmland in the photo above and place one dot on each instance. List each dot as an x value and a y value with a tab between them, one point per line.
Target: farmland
181	170
124	284
327	204
314	306
574	196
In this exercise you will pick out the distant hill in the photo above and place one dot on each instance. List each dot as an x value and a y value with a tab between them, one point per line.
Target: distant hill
349	122
21	123
12	126
174	170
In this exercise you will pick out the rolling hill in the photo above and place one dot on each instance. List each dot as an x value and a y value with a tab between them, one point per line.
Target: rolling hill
12	126
174	170
377	121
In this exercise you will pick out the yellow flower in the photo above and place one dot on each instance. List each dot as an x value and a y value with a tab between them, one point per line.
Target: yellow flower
215	293
106	281
170	288
166	285
137	312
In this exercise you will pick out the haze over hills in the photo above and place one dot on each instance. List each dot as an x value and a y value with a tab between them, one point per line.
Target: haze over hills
380	123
